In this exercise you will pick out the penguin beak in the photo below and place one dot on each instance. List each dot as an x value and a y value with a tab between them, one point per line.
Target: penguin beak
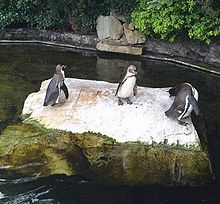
134	72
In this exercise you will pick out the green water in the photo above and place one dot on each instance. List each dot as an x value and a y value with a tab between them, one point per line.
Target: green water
24	67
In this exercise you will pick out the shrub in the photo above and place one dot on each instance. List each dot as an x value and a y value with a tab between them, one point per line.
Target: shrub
26	12
166	19
79	14
123	7
82	14
13	11
169	18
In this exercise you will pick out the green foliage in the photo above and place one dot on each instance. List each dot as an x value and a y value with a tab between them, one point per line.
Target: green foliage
26	12
78	14
11	11
206	27
82	14
164	18
123	7
169	18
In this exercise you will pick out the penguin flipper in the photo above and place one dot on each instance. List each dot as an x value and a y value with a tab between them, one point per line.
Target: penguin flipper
119	85
194	104
135	90
172	113
175	110
52	92
51	97
65	90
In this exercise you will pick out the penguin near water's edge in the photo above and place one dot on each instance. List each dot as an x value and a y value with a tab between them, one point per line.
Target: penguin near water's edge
186	100
56	86
127	87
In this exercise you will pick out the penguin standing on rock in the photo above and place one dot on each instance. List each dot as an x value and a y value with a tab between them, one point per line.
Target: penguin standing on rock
127	87
186	100
56	87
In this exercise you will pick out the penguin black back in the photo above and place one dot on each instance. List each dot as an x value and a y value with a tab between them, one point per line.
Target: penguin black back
175	90
185	101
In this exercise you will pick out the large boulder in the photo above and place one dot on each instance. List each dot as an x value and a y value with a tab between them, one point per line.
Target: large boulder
109	27
91	135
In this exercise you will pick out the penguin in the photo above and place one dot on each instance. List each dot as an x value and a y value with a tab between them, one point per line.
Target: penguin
186	100
55	87
127	87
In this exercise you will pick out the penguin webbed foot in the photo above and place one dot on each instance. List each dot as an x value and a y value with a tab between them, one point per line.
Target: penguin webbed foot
182	123
120	102
128	101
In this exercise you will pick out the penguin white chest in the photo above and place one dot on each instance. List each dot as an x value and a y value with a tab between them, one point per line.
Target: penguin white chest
187	112
126	90
189	107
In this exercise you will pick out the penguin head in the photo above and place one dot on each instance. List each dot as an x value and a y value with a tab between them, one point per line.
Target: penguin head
60	69
173	91
63	67
132	70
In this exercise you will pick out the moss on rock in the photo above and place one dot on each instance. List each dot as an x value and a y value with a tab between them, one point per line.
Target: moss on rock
32	149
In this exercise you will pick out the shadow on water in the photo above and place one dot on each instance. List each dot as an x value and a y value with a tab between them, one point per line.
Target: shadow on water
23	68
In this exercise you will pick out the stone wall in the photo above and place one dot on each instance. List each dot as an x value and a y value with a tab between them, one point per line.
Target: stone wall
209	54
46	35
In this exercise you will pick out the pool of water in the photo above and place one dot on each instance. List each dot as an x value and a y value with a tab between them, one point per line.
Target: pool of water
24	67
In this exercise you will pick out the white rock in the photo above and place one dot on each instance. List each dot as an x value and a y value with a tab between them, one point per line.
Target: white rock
92	106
